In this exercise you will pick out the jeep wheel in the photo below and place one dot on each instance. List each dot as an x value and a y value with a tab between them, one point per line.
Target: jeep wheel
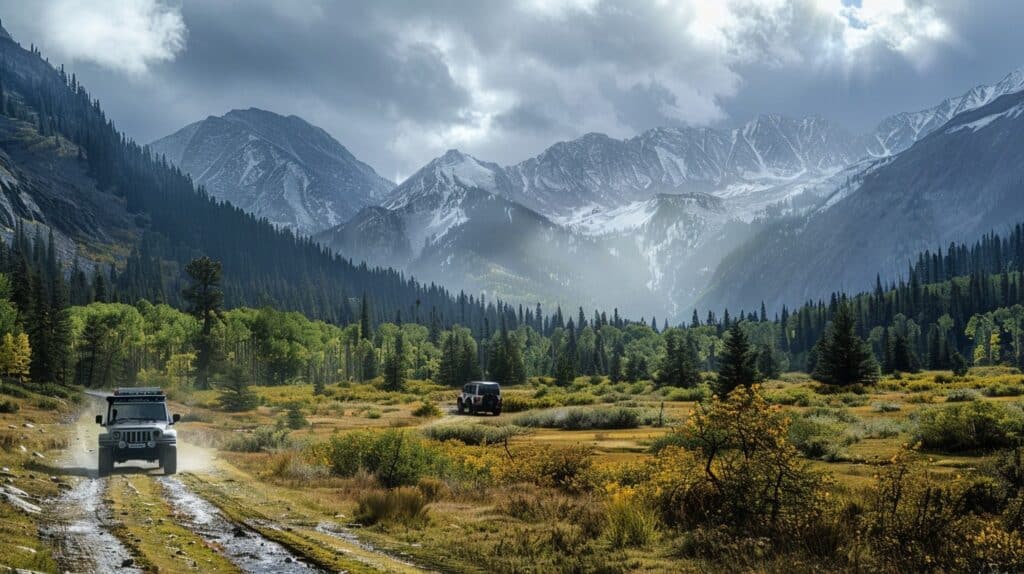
460	407
169	460
106	462
497	411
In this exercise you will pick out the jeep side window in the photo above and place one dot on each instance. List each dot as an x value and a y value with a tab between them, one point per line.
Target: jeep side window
468	389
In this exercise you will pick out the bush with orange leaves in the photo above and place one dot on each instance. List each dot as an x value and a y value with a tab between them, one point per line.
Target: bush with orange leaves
737	470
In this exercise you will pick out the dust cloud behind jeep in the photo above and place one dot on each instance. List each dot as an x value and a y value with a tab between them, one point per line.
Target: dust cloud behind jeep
480	396
138	427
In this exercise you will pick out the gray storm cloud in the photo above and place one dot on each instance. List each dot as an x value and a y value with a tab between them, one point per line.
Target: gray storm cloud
400	82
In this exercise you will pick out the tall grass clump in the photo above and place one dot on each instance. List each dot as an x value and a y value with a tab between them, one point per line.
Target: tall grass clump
631	521
405	505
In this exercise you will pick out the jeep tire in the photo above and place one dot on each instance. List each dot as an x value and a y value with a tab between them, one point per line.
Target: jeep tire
169	459
106	462
461	408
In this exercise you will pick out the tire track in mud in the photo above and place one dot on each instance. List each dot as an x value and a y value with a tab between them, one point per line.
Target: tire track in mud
78	522
243	546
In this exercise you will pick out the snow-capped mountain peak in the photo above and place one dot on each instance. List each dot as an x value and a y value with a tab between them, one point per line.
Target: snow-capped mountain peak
281	168
898	132
433	185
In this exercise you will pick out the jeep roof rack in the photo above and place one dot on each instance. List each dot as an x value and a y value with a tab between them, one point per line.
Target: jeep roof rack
138	392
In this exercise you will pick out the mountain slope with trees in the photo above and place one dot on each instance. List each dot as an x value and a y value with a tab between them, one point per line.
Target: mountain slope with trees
957	183
135	220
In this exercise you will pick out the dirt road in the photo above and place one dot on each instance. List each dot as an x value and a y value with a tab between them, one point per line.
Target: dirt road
85	533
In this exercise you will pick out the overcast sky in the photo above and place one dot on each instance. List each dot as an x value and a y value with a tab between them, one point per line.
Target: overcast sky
399	82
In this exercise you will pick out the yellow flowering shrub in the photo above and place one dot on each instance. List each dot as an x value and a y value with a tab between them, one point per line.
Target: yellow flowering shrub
739	470
569	468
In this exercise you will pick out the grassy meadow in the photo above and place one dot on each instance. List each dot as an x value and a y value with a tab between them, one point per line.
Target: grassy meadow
558	481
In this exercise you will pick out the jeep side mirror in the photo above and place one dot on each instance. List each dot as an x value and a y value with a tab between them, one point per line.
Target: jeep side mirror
175	418
99	420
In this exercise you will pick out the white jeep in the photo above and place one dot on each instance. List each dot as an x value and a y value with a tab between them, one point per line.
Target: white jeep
138	428
480	396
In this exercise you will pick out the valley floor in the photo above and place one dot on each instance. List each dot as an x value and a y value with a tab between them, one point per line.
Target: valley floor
242	507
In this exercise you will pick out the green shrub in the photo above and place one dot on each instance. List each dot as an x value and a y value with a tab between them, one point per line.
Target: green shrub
886	407
962	396
471	433
426	409
795	396
47	403
406	506
585	419
514	403
880	429
820	436
262	439
851	399
73	394
9	407
395	457
836	414
670	439
13	390
1004	390
692	394
969	426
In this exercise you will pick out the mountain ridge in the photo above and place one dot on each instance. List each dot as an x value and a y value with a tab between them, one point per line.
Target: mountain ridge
281	168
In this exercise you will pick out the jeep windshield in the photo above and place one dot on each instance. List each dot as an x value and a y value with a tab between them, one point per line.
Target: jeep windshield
122	412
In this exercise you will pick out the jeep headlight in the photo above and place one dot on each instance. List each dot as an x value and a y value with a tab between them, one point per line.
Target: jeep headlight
151	444
117	435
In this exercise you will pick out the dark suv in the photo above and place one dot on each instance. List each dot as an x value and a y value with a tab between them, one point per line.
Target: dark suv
480	396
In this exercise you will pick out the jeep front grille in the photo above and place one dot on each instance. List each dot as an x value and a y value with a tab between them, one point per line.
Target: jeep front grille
136	436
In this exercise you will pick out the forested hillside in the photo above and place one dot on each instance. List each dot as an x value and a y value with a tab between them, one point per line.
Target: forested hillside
151	219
